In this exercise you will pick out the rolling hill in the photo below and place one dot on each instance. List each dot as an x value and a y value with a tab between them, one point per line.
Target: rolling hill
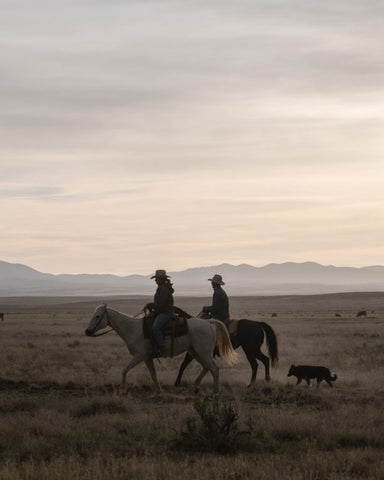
273	279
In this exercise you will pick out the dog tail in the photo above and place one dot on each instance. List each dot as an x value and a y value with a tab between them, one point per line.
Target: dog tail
333	376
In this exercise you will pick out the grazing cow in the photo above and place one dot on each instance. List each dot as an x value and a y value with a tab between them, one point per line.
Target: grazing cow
337	315
1	316
274	314
362	313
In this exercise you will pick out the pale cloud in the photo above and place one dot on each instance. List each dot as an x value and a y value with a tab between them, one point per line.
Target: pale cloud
142	133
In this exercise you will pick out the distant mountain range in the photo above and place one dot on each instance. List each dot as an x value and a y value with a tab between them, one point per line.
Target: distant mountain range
273	279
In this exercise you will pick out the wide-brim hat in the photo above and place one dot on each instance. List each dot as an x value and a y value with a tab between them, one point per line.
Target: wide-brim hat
218	279
160	274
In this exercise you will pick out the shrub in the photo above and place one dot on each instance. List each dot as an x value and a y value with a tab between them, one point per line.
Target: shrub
217	430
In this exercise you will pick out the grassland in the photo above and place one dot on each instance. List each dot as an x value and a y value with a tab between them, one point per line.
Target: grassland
62	415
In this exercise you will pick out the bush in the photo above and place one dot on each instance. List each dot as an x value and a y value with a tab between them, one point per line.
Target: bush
217	430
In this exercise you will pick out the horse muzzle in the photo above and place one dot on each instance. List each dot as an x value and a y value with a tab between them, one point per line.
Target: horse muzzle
88	332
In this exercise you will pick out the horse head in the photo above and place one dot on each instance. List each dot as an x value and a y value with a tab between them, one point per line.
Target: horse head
98	321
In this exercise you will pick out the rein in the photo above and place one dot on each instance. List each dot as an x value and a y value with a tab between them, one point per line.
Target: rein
101	334
108	323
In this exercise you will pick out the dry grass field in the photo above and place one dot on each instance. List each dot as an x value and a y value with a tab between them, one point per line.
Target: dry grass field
62	415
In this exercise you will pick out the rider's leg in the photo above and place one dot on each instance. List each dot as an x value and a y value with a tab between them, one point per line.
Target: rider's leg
159	322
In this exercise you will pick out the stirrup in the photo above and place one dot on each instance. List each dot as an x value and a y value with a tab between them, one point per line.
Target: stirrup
158	352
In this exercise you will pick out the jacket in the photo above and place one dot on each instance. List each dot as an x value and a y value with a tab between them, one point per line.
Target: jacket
220	305
163	299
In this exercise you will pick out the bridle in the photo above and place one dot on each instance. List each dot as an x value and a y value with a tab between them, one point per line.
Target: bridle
98	323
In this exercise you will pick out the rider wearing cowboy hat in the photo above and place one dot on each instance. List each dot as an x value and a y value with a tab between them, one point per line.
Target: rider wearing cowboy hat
220	305
162	306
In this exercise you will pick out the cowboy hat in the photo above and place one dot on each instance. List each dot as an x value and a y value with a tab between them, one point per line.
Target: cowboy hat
218	279
160	274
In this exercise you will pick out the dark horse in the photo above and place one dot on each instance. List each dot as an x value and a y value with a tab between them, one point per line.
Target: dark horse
250	337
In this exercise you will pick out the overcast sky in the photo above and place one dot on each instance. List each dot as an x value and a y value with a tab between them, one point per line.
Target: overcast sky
137	135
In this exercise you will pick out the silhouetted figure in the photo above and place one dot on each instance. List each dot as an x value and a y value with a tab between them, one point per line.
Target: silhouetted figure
220	304
162	306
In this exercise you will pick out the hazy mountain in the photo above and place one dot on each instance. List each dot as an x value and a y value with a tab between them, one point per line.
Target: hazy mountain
273	279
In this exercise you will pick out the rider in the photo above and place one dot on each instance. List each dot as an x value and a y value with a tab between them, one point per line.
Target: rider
220	304
162	307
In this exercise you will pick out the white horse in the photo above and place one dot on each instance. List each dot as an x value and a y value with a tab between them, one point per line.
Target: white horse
200	341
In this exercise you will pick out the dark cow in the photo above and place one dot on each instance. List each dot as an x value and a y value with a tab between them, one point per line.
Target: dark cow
362	313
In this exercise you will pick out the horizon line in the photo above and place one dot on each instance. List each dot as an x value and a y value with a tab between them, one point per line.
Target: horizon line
224	264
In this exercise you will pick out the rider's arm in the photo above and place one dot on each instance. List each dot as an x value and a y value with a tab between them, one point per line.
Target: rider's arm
163	298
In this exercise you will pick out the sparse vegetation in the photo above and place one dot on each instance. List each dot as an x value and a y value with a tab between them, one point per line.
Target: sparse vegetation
217	430
62	415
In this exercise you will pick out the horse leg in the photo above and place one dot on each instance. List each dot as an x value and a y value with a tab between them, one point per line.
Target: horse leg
215	373
265	360
152	371
254	366
191	355
135	360
210	365
250	354
207	364
199	379
187	360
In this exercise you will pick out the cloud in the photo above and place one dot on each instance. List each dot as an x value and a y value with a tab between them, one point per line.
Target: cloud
189	132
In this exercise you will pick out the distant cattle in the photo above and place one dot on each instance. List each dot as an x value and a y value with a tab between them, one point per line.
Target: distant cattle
1	316
274	314
337	315
362	313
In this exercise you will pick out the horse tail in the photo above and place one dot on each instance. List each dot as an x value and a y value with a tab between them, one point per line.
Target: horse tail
223	342
271	343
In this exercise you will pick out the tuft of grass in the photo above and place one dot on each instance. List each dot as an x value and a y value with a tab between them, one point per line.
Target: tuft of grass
99	407
10	406
289	395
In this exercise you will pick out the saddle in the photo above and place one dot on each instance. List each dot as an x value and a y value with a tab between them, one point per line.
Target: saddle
232	325
176	326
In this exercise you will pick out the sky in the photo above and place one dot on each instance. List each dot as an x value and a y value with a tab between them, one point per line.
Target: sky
137	135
